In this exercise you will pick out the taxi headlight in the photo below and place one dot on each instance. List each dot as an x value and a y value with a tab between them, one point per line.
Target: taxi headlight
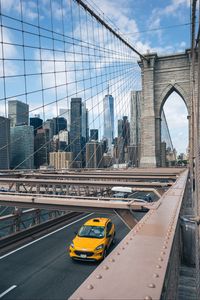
99	247
72	244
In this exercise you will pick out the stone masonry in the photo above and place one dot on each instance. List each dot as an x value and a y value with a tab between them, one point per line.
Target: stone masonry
160	77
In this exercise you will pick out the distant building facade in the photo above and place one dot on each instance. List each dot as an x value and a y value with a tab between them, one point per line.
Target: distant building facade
61	141
84	132
122	141
66	113
22	147
59	123
76	131
94	134
18	113
108	108
41	148
60	160
4	143
135	127
36	122
49	124
94	155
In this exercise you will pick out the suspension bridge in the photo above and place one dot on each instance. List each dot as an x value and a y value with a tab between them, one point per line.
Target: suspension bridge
82	114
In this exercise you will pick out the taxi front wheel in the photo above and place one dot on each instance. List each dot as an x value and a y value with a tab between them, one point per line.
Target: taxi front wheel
104	253
113	240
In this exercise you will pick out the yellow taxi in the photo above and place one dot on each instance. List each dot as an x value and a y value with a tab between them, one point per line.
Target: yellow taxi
93	240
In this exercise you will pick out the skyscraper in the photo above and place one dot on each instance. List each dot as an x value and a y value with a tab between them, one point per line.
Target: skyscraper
66	113
120	127
136	102
61	141
36	122
4	143
84	131
76	131
108	108
84	121
94	134
93	154
60	160
135	124
60	123
49	124
18	113
123	140
41	147
22	147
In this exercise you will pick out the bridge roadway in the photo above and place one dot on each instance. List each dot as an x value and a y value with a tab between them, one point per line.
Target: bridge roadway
43	269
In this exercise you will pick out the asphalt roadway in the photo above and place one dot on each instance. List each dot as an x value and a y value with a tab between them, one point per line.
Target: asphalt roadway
43	270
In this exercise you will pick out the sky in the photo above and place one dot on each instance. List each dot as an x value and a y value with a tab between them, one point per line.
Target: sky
138	20
150	25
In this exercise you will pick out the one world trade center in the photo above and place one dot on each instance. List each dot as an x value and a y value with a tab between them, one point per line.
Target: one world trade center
108	107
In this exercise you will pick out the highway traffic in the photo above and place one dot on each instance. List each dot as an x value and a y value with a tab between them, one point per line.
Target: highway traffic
42	269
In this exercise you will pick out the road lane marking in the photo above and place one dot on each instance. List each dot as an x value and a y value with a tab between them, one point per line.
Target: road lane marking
8	290
41	238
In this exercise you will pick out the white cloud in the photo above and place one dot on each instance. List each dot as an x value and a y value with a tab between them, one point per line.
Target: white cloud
7	67
172	9
175	6
119	14
29	8
7	5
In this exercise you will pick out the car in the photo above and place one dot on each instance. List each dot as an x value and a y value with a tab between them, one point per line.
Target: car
93	240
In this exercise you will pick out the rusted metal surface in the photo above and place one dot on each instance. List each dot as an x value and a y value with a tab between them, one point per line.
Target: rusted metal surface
137	267
88	183
80	197
73	204
42	182
119	176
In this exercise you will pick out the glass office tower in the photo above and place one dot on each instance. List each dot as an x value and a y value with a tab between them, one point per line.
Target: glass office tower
108	108
76	132
4	143
22	147
18	113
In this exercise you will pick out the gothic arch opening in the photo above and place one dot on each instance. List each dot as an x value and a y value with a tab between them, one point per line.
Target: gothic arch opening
174	130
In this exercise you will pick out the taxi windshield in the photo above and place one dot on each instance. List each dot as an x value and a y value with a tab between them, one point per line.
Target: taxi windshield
92	231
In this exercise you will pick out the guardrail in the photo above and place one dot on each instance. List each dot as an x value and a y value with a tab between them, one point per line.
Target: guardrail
15	237
22	219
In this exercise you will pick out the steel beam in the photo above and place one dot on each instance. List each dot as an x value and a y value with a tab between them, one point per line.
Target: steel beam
72	204
43	182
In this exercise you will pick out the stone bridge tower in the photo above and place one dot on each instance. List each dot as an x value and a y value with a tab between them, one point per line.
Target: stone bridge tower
160	77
